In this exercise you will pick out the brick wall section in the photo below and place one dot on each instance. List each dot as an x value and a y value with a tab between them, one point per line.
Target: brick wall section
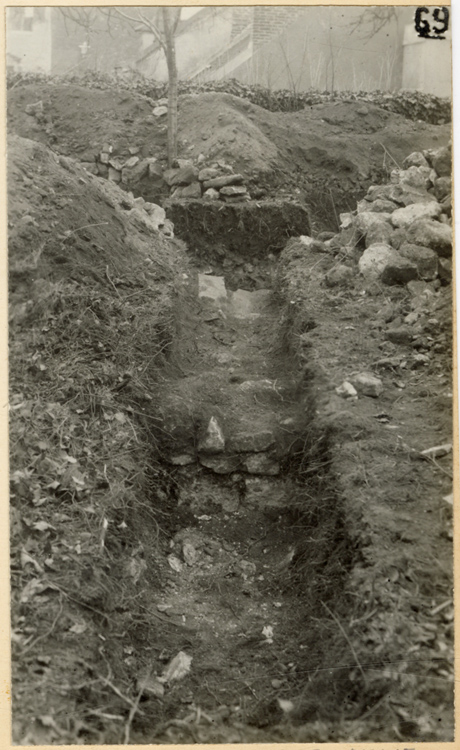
242	17
269	21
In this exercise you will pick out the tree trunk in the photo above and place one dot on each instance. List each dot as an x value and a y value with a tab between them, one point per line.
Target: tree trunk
170	51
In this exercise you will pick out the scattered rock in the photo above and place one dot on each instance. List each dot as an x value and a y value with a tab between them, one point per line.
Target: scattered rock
445	270
416	177
135	173
424	258
213	440
220	182
367	384
442	161
188	191
402	217
442	187
233	190
416	159
184	176
221	464
261	463
212	288
347	390
398	270
316	246
160	111
208	173
432	234
114	175
380	205
379	234
252	442
374	259
401	335
403	195
211	194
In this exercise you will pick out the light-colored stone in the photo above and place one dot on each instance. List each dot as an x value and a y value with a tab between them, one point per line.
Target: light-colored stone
403	195
211	194
157	213
346	220
219	182
256	441
367	384
380	205
188	191
213	440
261	463
368	219
442	161
403	217
374	260
347	390
160	111
415	159
212	288
221	464
230	190
208	173
442	187
432	234
246	305
379	234
416	177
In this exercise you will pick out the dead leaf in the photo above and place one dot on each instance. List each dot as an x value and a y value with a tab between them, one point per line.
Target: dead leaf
151	684
42	526
175	563
190	554
78	628
31	589
286	706
177	668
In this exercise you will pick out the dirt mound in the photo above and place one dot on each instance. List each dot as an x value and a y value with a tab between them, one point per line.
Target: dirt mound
415	105
326	155
91	317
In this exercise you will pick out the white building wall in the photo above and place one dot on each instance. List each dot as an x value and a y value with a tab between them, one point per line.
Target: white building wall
29	49
427	64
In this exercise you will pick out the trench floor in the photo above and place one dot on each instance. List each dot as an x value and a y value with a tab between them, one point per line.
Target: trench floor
228	574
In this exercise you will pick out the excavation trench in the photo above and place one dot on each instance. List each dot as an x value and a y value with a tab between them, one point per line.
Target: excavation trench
258	552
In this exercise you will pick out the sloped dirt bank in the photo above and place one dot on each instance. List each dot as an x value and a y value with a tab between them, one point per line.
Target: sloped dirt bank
238	239
209	544
325	155
396	500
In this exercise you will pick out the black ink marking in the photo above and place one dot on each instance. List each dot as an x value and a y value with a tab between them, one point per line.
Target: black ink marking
423	27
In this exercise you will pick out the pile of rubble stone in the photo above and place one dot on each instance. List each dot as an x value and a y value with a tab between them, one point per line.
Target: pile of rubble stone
404	227
185	181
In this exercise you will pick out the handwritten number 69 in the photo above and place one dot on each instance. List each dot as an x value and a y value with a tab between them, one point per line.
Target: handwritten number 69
423	27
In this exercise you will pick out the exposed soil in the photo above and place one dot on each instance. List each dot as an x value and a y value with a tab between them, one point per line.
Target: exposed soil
325	155
305	566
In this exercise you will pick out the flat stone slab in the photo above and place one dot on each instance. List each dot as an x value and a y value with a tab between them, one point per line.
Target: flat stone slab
246	305
252	442
212	288
261	463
